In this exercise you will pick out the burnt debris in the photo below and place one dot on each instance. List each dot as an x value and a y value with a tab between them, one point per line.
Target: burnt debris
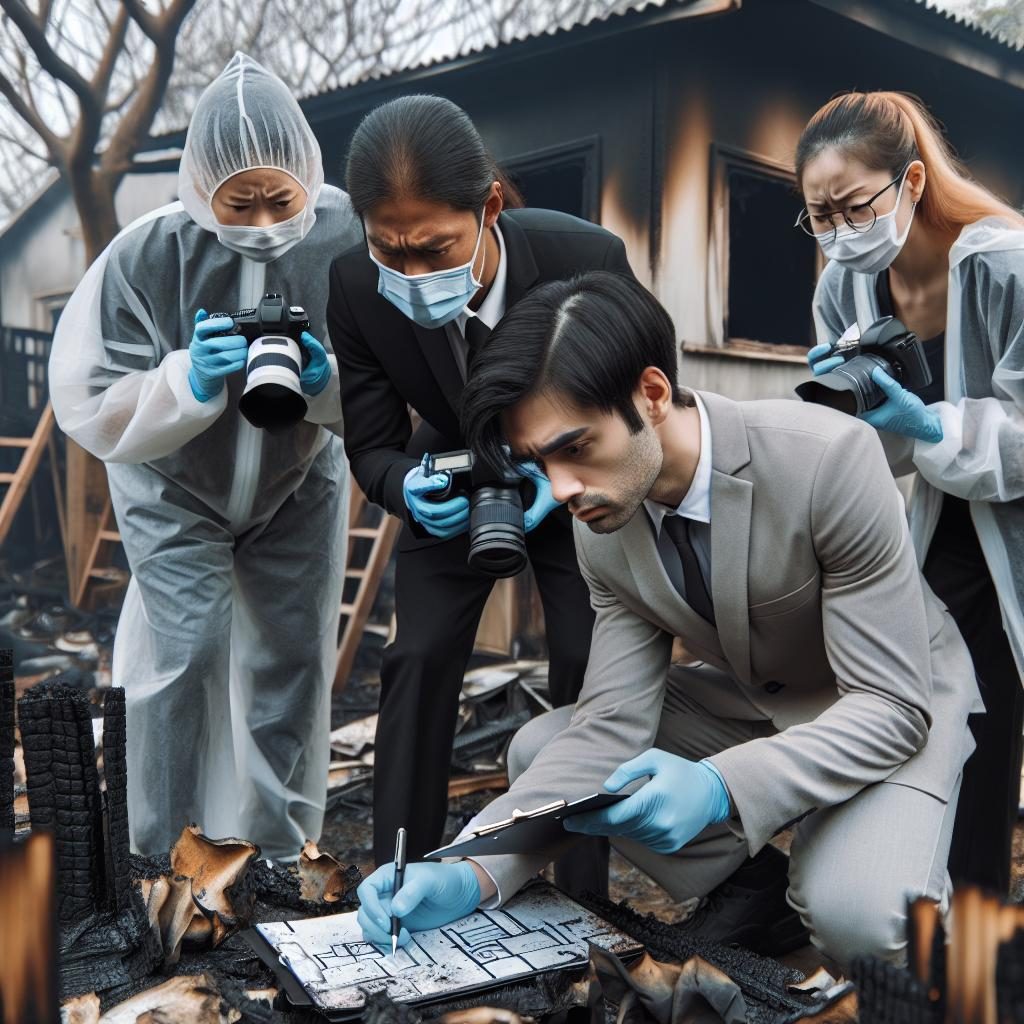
105	939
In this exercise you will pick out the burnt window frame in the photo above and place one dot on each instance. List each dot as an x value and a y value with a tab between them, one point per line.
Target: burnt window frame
587	147
723	159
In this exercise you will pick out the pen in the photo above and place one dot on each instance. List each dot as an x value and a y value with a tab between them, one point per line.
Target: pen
396	924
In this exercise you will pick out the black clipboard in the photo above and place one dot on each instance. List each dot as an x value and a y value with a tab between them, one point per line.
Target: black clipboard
525	831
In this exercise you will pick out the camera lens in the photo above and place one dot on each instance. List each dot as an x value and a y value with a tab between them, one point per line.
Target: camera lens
497	536
848	388
273	398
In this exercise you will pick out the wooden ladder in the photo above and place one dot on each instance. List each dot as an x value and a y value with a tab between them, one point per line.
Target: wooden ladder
18	482
97	569
366	522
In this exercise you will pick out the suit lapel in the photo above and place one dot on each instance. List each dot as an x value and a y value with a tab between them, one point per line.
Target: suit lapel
655	586
522	272
731	504
438	352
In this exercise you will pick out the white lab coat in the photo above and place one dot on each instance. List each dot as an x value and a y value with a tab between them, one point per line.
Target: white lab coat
981	455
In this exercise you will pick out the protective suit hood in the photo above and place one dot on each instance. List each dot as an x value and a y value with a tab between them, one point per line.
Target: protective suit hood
246	119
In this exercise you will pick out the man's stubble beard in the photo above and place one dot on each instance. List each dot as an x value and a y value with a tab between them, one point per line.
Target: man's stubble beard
642	463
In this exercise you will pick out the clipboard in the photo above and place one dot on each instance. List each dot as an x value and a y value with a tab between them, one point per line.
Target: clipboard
525	831
325	964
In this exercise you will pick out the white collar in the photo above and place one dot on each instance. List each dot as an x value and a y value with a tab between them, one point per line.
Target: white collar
492	309
696	503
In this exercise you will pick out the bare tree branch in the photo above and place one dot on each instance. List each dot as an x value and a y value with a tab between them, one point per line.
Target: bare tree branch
134	126
49	60
54	144
13	140
143	19
115	43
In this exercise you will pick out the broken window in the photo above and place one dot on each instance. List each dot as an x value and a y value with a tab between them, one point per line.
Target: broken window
766	268
564	178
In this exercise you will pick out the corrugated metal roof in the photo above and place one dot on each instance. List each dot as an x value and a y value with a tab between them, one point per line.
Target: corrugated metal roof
488	27
969	24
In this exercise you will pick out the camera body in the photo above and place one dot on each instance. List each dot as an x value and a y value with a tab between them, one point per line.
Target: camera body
272	398
273	317
849	388
497	535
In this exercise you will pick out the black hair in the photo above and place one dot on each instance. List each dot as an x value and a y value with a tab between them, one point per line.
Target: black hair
422	146
588	338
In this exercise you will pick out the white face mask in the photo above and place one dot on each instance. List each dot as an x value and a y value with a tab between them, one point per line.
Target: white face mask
267	243
871	251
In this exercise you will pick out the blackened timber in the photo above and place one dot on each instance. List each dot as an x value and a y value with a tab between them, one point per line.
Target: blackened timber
6	743
762	980
63	792
115	772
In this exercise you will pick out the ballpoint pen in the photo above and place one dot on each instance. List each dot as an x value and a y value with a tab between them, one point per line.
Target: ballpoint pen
396	924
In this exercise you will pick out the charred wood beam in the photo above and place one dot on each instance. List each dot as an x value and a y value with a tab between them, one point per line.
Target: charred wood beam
63	792
115	772
888	993
6	744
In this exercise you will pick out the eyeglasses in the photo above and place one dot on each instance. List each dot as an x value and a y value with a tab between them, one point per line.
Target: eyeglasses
858	218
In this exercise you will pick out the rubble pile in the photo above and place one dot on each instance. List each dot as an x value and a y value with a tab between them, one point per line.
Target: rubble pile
495	701
47	635
125	922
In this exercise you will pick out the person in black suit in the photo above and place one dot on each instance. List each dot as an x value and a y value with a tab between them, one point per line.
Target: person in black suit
442	262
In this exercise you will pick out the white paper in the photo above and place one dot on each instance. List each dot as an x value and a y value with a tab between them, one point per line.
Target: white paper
538	930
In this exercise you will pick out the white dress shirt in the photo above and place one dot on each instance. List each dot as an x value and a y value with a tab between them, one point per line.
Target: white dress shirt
491	310
695	506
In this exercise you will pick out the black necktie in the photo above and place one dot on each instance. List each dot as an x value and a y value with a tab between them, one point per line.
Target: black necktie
697	596
477	332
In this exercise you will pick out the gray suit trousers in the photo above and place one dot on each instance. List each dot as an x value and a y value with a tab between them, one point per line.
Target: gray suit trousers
852	866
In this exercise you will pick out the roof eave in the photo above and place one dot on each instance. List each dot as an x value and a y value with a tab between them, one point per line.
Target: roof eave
941	36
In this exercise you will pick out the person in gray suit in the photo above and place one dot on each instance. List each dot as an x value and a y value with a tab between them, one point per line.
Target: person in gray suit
829	690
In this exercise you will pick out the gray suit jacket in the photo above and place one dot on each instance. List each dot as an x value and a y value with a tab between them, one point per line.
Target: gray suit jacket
824	625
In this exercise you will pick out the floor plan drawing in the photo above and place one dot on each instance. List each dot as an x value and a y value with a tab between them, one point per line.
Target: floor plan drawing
538	930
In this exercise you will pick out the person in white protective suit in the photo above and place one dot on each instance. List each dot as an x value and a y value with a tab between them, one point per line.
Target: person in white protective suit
908	233
235	536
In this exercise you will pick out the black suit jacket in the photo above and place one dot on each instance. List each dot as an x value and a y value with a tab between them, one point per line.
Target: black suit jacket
387	363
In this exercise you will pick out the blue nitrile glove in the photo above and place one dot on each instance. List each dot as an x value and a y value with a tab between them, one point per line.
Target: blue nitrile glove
681	800
543	502
433	895
214	355
443	519
902	412
317	372
820	362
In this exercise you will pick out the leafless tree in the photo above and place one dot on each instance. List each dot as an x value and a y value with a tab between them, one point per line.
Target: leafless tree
87	79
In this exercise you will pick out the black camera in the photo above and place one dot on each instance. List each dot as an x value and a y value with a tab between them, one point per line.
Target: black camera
850	389
497	535
273	396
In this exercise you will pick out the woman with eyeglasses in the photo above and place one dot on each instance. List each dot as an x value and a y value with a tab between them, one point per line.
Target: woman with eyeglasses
907	233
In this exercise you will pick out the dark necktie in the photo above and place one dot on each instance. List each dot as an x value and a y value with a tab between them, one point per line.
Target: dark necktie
477	332
697	596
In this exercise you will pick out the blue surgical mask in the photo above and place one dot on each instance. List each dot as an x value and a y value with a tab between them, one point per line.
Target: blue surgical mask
433	299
